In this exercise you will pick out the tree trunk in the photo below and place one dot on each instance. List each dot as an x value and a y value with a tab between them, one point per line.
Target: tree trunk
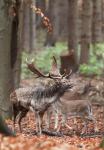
32	30
72	63
26	29
73	25
62	13
42	5
51	38
67	63
86	31
15	51
5	58
29	28
97	21
103	20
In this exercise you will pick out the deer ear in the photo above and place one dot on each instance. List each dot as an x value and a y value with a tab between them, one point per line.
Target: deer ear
54	68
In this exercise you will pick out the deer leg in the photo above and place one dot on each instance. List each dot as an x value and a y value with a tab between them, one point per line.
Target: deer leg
47	119
40	128
37	121
62	123
56	120
15	113
70	128
91	118
40	122
75	123
21	116
85	125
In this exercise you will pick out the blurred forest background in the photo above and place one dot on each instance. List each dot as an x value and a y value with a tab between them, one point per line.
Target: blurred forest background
70	30
76	40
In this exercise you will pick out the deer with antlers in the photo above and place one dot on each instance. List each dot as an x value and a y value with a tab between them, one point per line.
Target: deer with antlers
39	97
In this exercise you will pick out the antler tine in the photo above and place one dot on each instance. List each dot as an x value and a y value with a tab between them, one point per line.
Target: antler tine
54	76
55	61
36	71
68	74
54	69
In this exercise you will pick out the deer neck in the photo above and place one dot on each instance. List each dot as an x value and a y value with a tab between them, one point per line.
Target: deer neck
47	92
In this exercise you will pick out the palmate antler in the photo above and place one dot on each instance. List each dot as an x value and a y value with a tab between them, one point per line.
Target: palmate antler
54	72
54	68
36	71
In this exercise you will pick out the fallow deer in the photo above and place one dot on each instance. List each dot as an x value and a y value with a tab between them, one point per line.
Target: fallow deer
68	108
39	97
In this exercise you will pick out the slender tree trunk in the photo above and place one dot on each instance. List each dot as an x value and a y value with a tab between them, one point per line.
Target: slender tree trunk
17	70
103	20
86	31
32	30
97	21
29	28
58	14
15	51
26	29
42	5
79	19
73	25
5	57
70	61
51	37
62	13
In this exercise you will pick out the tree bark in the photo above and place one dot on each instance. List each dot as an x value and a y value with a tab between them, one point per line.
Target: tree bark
51	38
15	51
58	15
97	21
5	59
73	25
32	30
26	29
72	37
103	20
29	28
62	13
86	31
42	5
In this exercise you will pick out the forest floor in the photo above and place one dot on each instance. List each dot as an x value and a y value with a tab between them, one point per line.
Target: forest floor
68	140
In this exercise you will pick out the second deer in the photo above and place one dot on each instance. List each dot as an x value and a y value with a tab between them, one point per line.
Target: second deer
72	109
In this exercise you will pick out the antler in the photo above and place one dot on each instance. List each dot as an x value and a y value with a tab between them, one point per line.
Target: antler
36	71
67	75
54	69
53	74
